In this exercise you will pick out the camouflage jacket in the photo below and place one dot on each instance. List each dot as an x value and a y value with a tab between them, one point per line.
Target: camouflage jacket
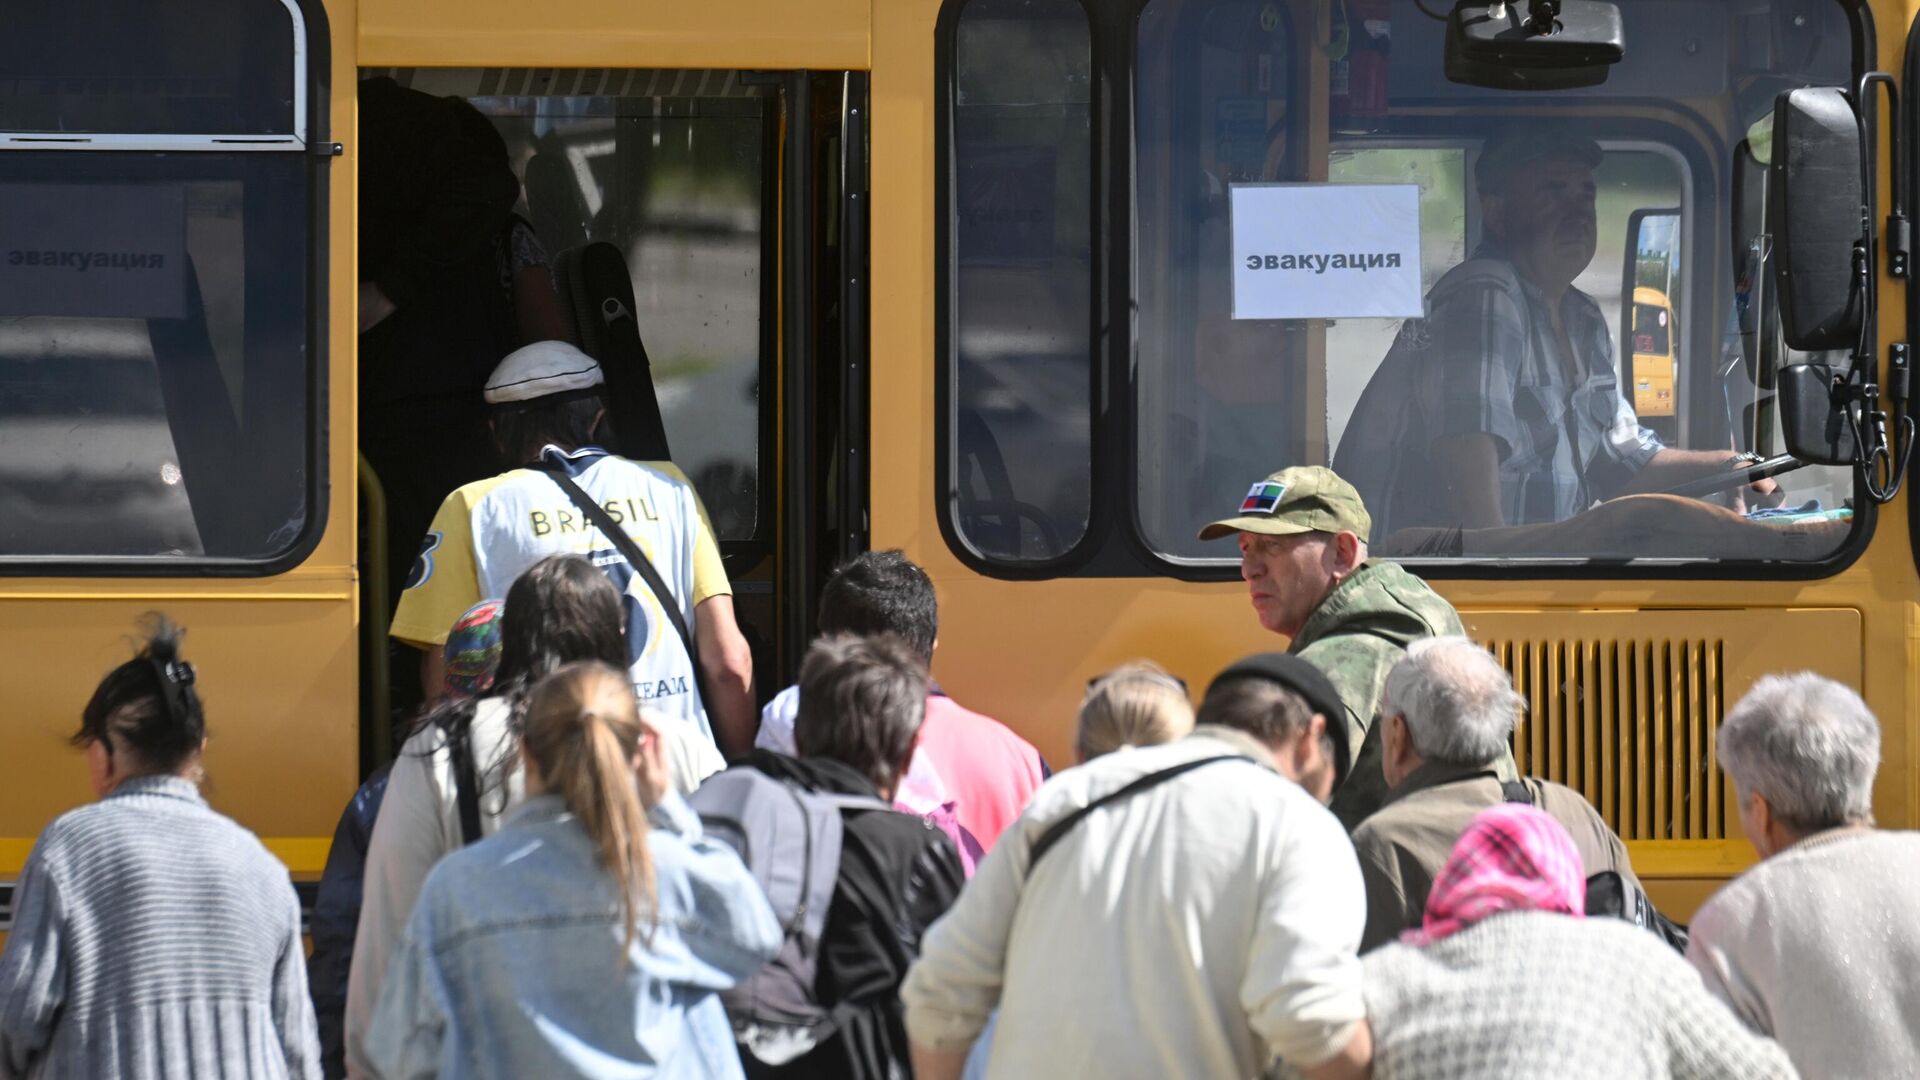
1355	636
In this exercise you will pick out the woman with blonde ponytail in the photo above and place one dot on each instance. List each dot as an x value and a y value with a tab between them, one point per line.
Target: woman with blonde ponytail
590	935
583	742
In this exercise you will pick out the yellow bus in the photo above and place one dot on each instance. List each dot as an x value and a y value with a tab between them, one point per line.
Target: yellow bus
1654	363
963	277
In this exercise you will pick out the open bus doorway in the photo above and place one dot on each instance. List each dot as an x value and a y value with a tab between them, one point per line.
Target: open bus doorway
699	254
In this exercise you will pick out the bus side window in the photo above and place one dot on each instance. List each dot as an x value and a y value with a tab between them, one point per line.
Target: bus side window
156	338
1019	351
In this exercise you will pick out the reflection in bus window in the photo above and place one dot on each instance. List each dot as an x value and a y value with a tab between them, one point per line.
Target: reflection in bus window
1441	173
211	67
1217	104
1022	350
1650	324
1505	418
1654	365
154	370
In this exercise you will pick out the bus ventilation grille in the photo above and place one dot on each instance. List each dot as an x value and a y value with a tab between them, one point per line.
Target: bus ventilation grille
1628	724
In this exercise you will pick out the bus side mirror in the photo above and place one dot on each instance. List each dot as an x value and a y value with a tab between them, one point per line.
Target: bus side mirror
1817	197
1533	44
1814	420
1650	303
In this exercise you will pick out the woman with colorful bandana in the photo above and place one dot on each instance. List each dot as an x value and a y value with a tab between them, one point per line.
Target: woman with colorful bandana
1506	977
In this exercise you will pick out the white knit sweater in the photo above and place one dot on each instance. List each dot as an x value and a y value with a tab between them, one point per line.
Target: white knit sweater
153	937
1819	946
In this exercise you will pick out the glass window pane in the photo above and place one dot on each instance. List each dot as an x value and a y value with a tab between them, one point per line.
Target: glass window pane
1214	107
678	186
1590	324
1022	277
148	66
154	370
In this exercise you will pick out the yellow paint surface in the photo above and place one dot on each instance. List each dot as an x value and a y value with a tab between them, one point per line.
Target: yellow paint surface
819	34
277	656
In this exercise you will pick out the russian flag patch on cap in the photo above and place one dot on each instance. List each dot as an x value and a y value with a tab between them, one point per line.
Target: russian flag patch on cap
1261	497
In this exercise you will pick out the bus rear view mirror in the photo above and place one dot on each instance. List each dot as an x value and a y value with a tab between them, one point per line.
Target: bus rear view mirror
1814	421
1817	198
1533	44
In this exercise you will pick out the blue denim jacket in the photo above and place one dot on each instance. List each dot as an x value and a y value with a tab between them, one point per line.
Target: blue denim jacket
511	964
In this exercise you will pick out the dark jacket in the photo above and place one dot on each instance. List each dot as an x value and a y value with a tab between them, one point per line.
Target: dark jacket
436	188
897	875
336	915
1355	636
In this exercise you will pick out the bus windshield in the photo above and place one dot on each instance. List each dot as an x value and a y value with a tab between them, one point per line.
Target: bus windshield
1343	258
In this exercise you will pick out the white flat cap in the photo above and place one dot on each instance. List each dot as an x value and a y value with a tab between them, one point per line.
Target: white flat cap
542	368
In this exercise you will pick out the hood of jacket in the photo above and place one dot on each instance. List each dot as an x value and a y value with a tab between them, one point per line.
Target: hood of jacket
814	774
1381	600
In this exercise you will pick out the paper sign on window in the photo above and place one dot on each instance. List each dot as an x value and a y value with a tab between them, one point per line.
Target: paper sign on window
93	250
1326	251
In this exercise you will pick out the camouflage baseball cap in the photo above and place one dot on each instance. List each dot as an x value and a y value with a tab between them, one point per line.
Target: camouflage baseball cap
1306	498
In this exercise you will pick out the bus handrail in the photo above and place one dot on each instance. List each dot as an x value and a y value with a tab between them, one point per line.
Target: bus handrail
374	586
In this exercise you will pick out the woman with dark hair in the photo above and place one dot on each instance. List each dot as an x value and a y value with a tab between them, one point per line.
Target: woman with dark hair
562	610
592	936
471	657
152	936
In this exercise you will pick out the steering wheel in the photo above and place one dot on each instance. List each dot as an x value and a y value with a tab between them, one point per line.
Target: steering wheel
980	456
1735	477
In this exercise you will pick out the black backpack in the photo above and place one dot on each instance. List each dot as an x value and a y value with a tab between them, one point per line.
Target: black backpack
1609	894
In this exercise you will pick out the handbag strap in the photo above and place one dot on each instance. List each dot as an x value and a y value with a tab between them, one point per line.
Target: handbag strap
1059	829
466	785
1517	791
629	551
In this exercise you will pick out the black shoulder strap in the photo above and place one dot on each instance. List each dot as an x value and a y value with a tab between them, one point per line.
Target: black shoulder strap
1518	791
466	786
1065	825
632	553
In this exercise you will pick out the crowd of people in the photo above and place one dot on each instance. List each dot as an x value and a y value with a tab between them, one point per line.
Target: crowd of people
591	859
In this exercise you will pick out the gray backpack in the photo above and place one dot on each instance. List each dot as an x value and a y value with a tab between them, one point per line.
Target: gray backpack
790	838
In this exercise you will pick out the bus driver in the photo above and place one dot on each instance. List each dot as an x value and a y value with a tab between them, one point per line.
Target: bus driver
1502	406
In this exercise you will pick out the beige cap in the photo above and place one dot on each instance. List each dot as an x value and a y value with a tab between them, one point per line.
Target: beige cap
1306	498
542	368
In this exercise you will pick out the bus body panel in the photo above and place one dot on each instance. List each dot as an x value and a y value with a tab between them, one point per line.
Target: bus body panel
277	674
276	656
1021	650
824	35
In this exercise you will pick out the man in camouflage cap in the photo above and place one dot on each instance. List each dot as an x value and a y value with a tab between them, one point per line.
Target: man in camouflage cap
1303	554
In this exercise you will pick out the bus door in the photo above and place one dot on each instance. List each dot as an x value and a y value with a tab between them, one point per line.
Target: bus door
704	231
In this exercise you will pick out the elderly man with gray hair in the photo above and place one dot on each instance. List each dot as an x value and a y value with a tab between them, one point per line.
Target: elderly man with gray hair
1449	711
1818	945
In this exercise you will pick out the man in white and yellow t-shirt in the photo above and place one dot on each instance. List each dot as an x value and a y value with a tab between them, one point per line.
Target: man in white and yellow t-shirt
545	405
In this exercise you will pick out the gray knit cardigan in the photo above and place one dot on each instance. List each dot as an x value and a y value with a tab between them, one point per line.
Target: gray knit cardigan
1530	994
153	937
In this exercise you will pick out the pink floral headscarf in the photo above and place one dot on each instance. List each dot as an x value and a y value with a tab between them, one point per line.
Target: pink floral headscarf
1512	858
